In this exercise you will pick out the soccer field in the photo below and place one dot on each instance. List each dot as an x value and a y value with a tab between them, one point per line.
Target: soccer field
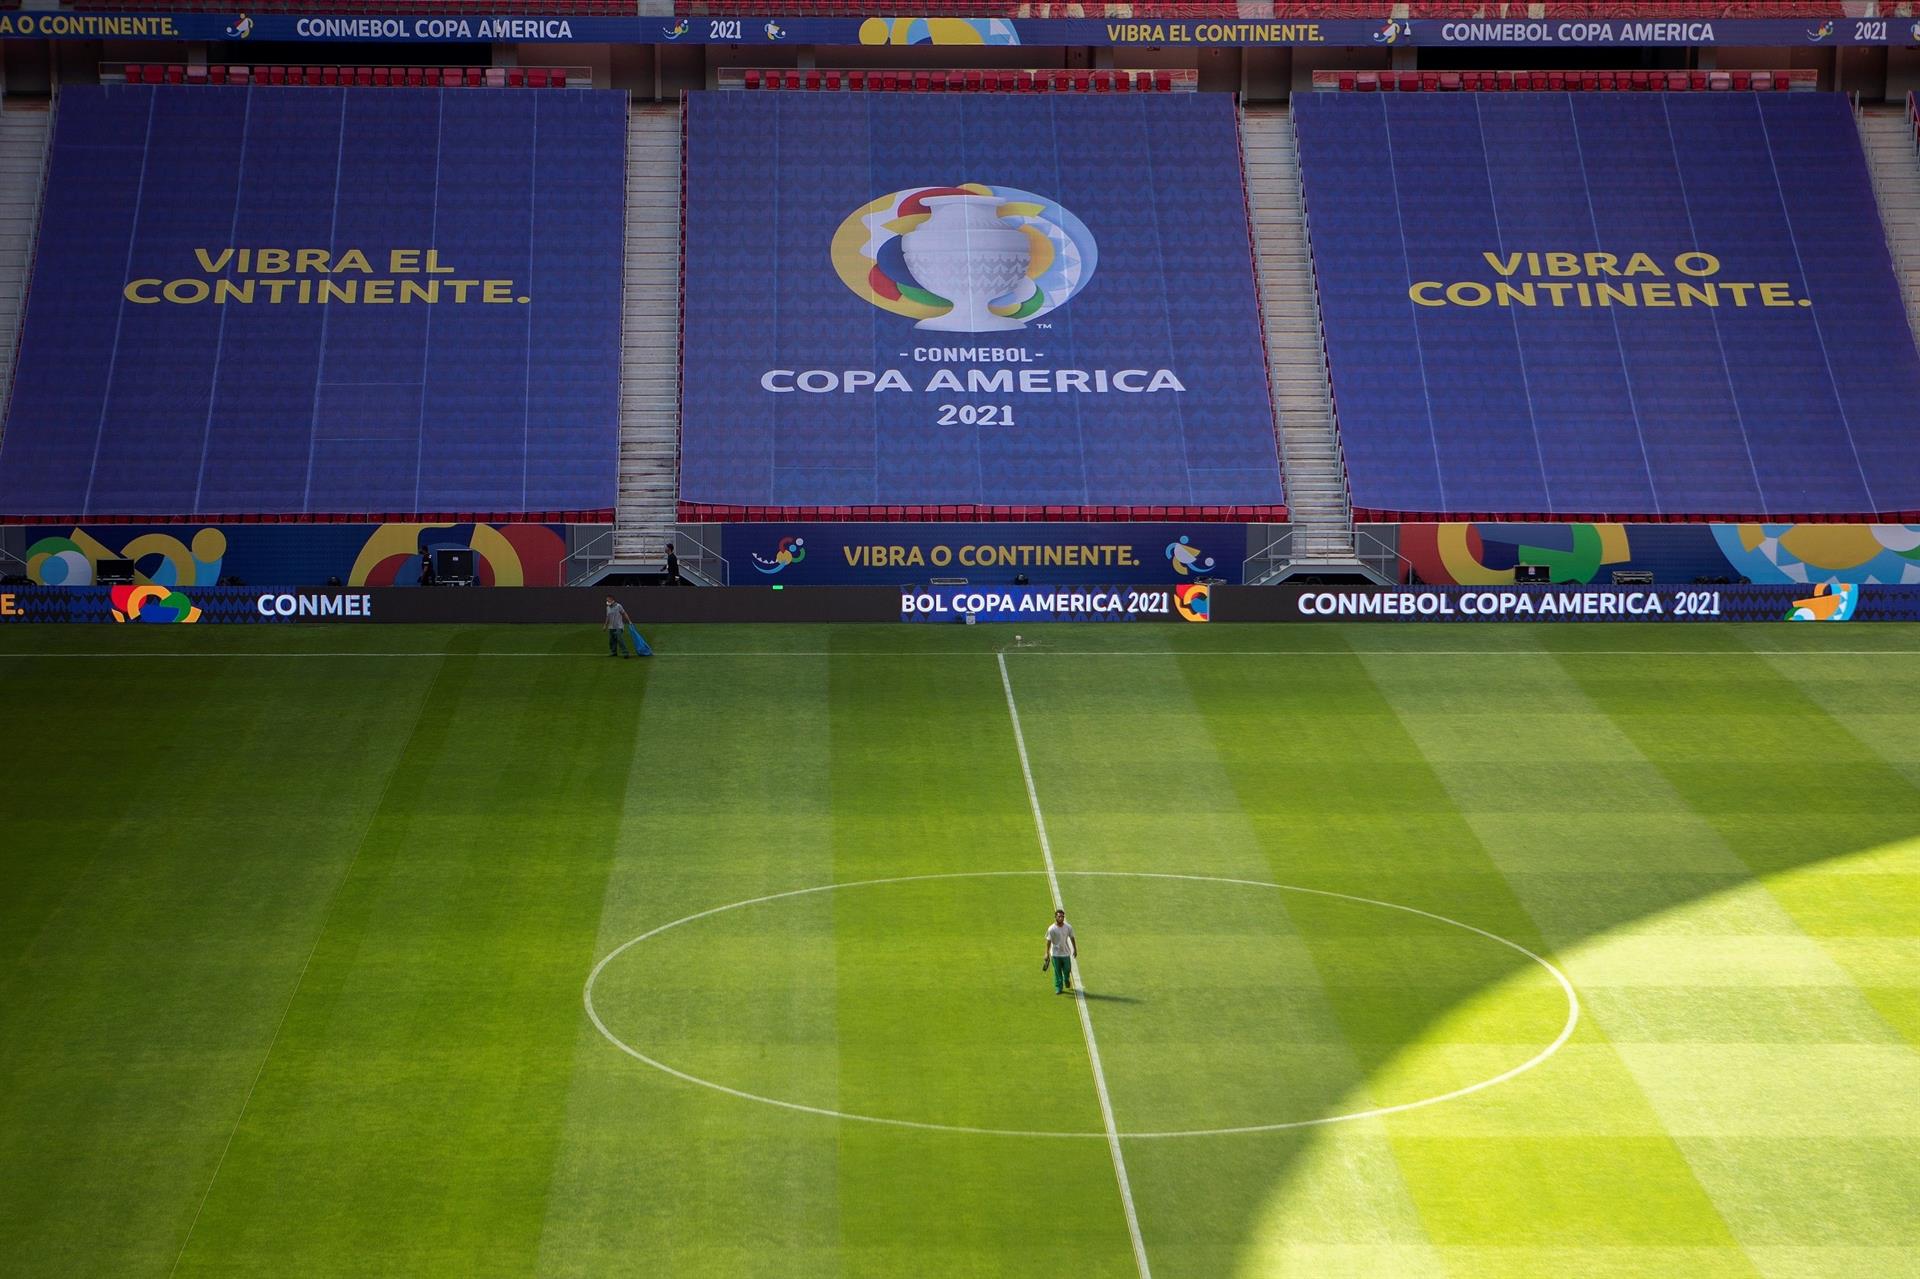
1408	951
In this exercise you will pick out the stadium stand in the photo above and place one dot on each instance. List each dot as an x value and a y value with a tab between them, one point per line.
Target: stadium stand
814	80
138	396
1579	400
358	77
795	271
1564	81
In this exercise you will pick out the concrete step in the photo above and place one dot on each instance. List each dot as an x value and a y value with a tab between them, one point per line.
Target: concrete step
650	336
1296	352
23	145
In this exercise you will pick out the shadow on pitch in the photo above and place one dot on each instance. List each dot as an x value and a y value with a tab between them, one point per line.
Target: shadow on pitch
1109	999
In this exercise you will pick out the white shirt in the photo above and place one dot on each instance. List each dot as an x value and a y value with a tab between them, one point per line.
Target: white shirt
1060	939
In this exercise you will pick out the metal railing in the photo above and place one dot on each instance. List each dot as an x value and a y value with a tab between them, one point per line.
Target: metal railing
1379	552
1269	559
1373	549
701	562
592	551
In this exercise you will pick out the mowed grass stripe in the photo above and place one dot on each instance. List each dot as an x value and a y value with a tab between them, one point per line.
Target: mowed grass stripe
1342	798
1833	1106
726	798
170	847
407	1119
943	1012
1233	1022
1589	837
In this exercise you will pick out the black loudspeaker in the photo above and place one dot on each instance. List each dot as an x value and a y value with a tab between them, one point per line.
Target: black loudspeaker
1633	577
453	566
113	572
1532	574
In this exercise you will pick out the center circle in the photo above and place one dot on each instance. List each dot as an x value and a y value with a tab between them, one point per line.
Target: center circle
1384	948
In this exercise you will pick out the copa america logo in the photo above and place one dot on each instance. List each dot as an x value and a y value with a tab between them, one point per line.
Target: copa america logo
964	259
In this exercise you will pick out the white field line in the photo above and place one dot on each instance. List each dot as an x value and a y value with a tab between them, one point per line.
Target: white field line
1052	652
1079	1000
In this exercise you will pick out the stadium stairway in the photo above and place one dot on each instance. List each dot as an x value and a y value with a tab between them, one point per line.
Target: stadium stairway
649	339
23	162
1893	157
1321	540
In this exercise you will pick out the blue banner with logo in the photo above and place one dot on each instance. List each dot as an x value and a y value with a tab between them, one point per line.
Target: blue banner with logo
961	299
507	26
980	554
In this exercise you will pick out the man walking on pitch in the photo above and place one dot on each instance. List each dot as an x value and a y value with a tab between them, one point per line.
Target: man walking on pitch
619	622
1061	951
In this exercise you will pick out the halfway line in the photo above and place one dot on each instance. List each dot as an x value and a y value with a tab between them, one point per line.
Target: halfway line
1079	999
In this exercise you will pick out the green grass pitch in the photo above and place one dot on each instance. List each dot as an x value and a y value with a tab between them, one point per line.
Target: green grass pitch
298	925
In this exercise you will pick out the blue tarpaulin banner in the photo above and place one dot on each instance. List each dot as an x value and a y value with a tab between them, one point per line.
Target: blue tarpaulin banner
335	301
970	299
897	554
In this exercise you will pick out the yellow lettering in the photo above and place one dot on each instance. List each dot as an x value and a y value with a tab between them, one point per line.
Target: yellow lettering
1641	264
497	291
1708	264
1621	293
376	292
1602	264
1776	294
1657	294
1415	291
1503	266
414	291
1505	294
433	264
225	291
331	292
1705	294
271	261
186	292
1469	293
403	262
132	292
353	260
1562	264
305	260
213	265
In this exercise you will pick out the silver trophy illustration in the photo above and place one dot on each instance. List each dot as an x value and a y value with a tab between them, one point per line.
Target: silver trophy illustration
965	252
